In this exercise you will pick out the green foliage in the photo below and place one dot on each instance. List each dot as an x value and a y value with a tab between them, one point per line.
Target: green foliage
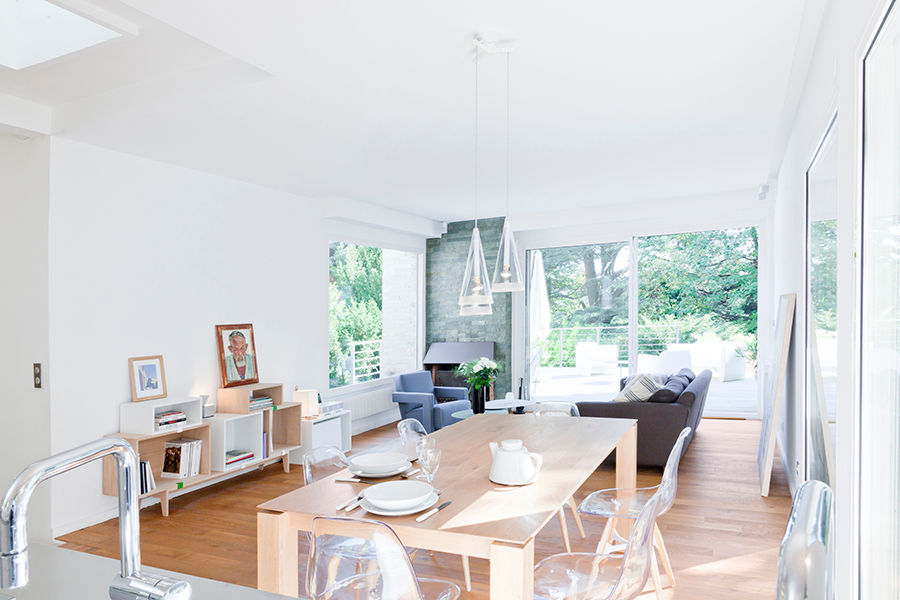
354	301
479	373
823	273
690	285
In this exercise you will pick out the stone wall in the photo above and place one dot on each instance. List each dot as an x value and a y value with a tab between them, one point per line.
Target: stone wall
444	267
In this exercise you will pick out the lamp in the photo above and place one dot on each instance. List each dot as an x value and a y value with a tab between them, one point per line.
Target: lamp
475	295
507	274
309	399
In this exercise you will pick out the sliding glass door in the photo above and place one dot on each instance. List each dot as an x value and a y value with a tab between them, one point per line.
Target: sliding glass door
600	312
879	410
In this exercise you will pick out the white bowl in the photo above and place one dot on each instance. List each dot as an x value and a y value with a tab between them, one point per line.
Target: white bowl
398	495
378	462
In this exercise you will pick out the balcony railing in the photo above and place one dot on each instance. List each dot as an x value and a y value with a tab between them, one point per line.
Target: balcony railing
559	345
364	361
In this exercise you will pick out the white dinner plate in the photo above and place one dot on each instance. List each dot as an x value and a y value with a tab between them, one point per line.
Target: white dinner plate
398	495
431	501
367	475
379	462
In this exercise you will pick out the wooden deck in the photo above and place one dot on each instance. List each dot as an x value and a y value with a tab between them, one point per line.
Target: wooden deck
722	536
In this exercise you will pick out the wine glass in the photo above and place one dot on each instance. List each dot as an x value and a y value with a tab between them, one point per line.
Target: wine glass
424	444
429	460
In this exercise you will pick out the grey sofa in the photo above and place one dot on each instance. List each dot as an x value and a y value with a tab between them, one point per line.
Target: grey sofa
658	422
418	399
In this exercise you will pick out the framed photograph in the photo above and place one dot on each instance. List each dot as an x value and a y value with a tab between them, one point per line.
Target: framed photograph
148	378
237	354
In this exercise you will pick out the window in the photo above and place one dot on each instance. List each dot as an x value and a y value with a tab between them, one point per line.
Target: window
373	317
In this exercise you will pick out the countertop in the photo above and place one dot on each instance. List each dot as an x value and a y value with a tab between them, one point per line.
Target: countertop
57	573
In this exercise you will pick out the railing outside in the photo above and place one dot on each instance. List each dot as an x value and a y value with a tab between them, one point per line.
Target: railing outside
364	361
559	345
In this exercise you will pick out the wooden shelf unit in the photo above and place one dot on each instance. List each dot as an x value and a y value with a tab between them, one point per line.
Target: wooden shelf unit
282	423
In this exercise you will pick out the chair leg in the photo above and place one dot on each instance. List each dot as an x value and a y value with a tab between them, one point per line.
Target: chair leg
565	530
654	571
577	516
604	537
466	573
663	554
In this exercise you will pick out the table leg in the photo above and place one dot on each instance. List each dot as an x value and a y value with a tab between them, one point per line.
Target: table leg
512	571
276	554
626	460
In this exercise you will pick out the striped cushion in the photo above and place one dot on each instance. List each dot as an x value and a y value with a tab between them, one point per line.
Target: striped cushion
639	389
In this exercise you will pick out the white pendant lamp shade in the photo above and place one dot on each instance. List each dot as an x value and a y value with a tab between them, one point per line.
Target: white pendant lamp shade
475	296
507	274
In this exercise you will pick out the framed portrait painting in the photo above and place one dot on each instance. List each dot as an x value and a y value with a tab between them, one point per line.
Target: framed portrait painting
148	378
237	354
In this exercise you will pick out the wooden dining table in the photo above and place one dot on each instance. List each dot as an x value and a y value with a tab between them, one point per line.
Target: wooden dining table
484	519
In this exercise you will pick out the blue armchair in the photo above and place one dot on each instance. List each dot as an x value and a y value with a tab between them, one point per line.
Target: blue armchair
417	397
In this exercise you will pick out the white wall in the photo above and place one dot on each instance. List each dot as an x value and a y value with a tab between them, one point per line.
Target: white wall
24	426
145	258
833	84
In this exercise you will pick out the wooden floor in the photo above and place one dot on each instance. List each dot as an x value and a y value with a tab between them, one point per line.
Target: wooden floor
722	536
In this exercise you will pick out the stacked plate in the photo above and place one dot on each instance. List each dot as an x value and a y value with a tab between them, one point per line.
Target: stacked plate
379	464
398	498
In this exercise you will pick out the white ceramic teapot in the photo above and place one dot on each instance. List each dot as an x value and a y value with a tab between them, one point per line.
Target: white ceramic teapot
514	464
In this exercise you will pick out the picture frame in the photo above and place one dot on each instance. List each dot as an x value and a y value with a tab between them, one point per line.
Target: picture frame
148	378
237	354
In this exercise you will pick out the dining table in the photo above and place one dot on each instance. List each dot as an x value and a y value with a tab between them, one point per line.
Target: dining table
483	519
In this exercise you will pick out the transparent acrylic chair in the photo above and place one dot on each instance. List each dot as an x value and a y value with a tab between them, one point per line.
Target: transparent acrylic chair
586	576
410	431
364	559
562	409
617	504
322	462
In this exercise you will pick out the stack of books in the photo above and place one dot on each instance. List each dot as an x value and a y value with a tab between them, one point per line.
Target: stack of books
182	458
236	457
260	402
148	482
170	419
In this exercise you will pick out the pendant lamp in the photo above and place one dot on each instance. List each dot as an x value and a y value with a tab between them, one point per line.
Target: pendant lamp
507	274
475	296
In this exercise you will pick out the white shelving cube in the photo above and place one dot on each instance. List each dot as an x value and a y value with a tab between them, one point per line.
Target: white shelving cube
138	417
233	431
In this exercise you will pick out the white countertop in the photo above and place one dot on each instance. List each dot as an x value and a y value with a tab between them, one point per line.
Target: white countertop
57	573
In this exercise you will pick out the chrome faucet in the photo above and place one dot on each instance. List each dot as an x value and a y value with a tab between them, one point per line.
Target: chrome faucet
130	584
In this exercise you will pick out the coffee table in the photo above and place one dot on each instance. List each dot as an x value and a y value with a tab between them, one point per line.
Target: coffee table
485	520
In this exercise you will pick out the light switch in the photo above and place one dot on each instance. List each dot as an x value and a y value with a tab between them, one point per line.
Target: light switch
37	375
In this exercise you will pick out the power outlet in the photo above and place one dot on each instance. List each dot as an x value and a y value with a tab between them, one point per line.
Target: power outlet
38	377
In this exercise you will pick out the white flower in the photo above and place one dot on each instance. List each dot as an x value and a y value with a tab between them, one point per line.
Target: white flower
477	367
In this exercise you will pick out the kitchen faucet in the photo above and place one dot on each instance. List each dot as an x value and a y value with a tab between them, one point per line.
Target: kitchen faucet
130	584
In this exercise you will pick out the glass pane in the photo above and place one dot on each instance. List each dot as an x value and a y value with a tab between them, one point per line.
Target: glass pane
373	313
879	468
578	321
821	310
697	309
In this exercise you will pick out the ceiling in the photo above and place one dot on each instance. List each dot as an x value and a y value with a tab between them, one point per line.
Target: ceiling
610	102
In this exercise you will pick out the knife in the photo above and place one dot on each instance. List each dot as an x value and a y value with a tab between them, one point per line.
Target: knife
421	518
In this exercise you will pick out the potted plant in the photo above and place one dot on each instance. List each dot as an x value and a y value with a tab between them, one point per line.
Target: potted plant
479	375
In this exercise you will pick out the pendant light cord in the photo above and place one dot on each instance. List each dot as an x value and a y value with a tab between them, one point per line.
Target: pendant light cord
507	135
476	136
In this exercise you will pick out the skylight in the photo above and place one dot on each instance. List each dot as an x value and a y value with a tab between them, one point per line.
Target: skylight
35	31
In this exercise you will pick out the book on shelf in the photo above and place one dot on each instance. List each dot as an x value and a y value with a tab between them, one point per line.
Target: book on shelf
148	483
260	402
169	419
265	444
182	458
233	457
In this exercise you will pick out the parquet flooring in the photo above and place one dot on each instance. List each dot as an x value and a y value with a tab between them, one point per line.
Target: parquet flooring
722	536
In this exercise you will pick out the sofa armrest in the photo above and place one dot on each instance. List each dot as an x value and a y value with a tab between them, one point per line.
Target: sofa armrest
442	391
